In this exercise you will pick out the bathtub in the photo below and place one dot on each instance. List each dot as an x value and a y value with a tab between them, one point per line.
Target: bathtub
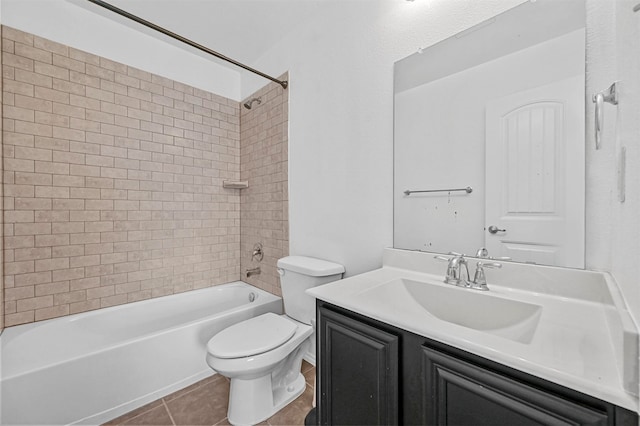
91	367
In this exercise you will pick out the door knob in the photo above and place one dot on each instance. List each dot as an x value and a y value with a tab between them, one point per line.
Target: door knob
494	229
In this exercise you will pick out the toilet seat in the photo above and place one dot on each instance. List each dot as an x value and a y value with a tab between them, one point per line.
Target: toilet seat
252	337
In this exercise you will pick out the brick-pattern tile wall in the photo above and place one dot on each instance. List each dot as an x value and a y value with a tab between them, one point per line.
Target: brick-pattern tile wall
113	182
264	205
1	210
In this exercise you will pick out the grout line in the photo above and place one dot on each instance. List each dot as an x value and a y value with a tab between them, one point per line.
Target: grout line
134	417
196	386
166	407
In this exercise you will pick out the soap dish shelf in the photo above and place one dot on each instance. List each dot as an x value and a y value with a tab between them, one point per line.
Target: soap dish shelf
235	184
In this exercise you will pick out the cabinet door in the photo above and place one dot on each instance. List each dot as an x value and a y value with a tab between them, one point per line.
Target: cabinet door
461	393
358	372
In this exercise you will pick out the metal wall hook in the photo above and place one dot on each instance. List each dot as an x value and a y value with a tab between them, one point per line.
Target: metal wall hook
610	96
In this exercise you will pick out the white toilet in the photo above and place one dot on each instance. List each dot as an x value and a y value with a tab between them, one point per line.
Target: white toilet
262	355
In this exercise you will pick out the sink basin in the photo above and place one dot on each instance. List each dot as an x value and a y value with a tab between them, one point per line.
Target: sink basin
511	319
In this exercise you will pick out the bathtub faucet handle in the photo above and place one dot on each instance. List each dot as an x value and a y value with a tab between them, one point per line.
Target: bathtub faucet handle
257	254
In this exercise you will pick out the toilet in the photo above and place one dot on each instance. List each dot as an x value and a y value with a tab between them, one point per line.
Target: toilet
262	356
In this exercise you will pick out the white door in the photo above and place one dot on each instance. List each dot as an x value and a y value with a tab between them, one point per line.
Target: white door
535	175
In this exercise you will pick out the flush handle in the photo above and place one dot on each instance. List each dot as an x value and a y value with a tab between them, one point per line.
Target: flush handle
494	229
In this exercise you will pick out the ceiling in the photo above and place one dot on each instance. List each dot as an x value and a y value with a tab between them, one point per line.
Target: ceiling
240	29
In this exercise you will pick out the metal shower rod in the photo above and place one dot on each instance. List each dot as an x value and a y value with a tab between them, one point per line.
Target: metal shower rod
191	43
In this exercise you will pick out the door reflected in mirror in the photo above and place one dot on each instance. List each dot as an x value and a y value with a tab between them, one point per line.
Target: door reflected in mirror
499	108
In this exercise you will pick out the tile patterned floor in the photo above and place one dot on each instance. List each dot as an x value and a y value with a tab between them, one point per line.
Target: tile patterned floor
205	403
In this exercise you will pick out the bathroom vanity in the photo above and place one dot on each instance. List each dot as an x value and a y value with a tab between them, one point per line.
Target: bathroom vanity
543	346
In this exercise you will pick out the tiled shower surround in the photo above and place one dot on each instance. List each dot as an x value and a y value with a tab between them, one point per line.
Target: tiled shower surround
112	183
264	205
1	210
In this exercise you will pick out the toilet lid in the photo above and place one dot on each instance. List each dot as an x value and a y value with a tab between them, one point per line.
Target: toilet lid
252	337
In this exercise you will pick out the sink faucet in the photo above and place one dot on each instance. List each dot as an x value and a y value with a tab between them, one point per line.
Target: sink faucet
455	276
454	270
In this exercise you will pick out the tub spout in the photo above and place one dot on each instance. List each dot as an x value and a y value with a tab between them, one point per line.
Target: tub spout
253	271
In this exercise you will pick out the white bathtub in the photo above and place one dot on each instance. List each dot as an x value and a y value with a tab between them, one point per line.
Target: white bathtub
92	367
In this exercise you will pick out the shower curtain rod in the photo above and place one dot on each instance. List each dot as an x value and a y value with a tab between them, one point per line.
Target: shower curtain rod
191	43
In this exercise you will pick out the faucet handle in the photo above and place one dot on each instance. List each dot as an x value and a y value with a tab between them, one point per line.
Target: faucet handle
442	258
479	279
491	265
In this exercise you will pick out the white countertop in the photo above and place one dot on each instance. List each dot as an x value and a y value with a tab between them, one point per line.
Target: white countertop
585	339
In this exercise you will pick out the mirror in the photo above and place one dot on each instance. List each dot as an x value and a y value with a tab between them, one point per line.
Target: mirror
498	108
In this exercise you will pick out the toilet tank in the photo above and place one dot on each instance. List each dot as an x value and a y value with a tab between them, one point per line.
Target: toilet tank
299	273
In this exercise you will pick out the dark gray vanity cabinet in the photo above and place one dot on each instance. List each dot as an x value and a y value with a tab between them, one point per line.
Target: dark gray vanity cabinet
372	373
359	377
461	393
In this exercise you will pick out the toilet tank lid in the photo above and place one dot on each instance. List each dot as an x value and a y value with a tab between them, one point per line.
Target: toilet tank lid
310	266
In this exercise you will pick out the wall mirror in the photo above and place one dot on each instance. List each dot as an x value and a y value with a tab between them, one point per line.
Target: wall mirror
499	109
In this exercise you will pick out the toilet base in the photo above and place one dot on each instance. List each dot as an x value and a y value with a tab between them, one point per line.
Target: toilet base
263	384
248	404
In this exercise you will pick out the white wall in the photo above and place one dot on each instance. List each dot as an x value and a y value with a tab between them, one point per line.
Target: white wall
613	238
440	142
627	239
341	117
614	241
79	27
